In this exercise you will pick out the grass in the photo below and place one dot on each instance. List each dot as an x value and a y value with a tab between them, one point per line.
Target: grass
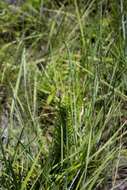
63	84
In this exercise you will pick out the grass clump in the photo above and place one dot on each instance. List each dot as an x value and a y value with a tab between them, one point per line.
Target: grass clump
63	95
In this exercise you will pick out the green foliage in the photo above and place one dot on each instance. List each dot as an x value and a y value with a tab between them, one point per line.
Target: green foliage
63	134
63	69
